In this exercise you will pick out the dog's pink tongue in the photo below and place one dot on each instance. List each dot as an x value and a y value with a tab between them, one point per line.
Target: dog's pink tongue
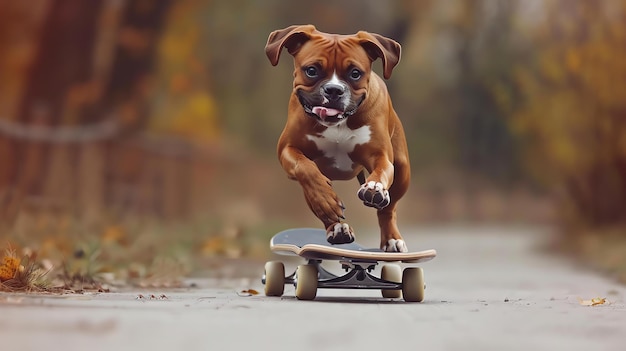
324	112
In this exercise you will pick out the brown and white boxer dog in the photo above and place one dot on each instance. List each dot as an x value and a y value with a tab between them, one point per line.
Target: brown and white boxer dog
341	122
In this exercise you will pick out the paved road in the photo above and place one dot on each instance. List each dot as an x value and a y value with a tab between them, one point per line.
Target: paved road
489	289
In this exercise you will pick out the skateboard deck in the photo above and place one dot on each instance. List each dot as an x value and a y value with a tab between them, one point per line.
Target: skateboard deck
311	244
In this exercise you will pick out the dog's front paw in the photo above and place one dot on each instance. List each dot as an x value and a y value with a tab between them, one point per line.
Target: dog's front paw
374	195
395	245
339	233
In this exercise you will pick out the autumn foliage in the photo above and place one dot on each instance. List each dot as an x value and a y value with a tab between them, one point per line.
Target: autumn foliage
569	109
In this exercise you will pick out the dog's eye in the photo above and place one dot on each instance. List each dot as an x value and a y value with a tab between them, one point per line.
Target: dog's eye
311	71
355	74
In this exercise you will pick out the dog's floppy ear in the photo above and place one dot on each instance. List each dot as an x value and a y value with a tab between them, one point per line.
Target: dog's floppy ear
378	46
291	38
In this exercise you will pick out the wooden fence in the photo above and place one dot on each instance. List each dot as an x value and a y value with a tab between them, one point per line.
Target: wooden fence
94	170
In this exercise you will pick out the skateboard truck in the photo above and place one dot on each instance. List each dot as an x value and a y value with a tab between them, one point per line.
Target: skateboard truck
357	277
347	265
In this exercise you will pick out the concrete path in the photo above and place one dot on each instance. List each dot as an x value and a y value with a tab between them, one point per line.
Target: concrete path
489	289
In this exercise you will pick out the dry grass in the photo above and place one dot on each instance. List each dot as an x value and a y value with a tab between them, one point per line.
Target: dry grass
601	249
59	253
22	274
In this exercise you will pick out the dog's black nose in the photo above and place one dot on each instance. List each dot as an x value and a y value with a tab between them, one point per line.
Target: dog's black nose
334	91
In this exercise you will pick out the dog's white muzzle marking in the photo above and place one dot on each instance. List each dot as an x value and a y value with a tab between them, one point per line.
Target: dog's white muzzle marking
345	100
337	141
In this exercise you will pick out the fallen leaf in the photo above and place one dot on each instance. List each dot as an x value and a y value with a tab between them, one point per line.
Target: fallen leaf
593	302
248	292
10	266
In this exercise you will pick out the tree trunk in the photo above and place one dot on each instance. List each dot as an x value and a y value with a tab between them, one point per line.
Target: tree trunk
62	61
91	66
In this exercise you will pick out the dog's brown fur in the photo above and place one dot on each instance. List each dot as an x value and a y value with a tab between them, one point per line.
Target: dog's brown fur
384	156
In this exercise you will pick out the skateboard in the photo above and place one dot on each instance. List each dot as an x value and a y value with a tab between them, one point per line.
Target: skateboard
357	261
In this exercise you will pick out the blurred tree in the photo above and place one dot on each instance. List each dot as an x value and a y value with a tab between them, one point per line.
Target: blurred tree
19	25
455	52
485	144
568	105
88	77
60	61
132	71
185	106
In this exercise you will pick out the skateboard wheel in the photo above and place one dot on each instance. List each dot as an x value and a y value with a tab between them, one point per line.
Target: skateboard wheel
392	273
413	284
274	278
306	283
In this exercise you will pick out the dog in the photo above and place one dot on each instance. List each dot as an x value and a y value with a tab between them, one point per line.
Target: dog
341	124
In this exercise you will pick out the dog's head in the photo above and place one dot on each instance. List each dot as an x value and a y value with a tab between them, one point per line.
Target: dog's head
332	71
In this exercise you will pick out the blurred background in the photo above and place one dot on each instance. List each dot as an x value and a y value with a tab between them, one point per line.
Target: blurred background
139	135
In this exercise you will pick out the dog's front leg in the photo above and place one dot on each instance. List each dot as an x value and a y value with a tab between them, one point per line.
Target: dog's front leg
319	194
375	191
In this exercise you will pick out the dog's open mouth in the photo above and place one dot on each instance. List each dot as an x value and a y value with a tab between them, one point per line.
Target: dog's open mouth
326	112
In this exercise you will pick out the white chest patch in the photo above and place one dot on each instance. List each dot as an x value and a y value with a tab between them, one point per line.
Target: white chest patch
338	141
